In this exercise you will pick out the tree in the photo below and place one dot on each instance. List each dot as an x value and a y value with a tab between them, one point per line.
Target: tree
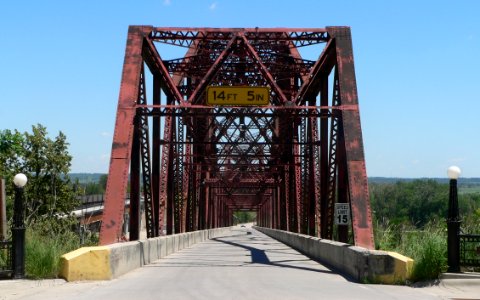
244	217
103	182
417	202
49	194
95	188
11	150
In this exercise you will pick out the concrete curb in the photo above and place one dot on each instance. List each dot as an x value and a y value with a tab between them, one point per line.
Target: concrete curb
464	276
450	280
361	264
112	261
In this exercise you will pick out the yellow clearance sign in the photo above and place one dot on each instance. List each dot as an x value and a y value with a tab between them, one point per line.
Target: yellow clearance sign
238	95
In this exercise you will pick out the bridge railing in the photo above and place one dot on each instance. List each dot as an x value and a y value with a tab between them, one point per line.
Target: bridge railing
469	250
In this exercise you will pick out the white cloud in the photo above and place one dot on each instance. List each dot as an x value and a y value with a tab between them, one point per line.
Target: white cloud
105	134
213	6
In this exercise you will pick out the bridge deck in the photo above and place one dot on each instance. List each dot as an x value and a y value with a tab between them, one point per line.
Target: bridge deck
239	266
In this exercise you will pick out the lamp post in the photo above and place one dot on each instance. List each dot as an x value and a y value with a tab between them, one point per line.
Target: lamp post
453	222
18	230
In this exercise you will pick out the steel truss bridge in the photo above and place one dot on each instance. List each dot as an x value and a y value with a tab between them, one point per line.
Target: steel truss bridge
195	164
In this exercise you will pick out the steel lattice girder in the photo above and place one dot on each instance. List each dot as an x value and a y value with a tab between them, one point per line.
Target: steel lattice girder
290	160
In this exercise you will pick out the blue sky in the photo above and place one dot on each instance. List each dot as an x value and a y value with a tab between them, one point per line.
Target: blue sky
417	65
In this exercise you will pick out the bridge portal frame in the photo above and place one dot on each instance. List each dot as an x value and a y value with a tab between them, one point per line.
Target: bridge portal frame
307	141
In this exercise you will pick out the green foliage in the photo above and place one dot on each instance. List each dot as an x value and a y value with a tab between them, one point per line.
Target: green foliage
11	150
49	195
410	219
244	217
417	202
47	163
427	247
44	249
431	260
471	222
95	188
90	183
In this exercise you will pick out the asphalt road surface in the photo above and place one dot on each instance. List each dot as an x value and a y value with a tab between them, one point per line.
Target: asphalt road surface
245	265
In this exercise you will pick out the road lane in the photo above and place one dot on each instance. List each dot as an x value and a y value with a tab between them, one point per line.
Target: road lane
245	265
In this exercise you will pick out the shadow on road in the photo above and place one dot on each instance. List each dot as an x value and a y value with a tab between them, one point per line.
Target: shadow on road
259	256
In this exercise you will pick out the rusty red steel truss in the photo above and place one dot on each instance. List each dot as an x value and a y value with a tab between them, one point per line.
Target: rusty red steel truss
195	164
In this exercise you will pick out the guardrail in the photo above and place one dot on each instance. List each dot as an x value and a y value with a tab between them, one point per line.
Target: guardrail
469	250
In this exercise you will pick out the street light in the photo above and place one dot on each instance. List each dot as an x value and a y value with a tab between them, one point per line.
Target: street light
453	222
18	230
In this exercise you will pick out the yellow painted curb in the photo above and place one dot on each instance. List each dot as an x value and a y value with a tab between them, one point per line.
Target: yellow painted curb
402	271
87	263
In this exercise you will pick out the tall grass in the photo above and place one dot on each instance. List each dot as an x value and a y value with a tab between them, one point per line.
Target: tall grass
427	247
43	252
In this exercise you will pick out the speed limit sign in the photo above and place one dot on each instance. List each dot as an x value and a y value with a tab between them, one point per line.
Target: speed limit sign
342	214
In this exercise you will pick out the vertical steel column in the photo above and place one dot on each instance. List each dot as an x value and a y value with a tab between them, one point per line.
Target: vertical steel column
323	159
304	173
186	186
272	211
214	210
314	178
210	207
265	213
357	174
264	222
297	185
201	205
327	224
206	203
192	195
198	199
286	186
112	218
230	217
146	163
273	200
165	175
171	171
342	189
134	226
156	136
179	170
222	211
279	207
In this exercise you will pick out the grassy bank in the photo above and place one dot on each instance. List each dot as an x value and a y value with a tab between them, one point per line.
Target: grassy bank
428	247
43	253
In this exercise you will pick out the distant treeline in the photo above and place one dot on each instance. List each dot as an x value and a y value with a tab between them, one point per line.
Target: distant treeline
393	200
86	177
419	202
461	181
95	177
